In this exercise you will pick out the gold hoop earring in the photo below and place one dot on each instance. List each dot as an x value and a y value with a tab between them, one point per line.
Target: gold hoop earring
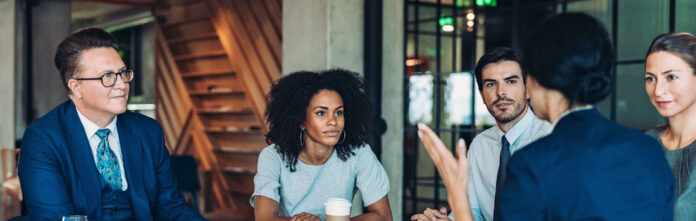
302	138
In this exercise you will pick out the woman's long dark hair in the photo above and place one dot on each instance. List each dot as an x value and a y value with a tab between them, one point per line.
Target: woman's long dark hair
287	106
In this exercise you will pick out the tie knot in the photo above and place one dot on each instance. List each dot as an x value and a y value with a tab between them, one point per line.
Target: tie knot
102	133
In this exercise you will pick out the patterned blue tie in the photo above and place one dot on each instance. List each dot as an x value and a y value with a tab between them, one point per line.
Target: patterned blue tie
107	164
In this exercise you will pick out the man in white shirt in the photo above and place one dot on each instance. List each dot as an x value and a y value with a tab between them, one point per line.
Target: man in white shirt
500	81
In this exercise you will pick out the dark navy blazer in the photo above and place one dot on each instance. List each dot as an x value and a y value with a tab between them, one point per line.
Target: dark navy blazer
588	168
59	177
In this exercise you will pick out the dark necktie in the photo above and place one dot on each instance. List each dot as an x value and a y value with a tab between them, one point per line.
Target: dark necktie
504	158
107	164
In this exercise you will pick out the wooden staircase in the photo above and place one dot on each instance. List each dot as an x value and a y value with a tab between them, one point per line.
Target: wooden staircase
216	60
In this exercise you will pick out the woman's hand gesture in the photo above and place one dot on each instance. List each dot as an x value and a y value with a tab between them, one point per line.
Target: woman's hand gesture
454	172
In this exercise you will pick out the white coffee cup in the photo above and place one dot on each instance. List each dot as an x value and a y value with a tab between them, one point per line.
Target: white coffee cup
337	209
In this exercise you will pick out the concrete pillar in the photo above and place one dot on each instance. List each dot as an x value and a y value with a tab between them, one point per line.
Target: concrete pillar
7	74
392	101
19	69
148	62
321	34
50	25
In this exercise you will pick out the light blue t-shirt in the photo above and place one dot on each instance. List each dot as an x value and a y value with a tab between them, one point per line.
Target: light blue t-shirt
306	189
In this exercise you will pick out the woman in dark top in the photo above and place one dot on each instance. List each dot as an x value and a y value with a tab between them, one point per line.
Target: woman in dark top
588	167
670	81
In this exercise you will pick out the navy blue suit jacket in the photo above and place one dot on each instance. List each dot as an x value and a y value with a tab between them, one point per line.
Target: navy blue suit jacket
59	177
588	168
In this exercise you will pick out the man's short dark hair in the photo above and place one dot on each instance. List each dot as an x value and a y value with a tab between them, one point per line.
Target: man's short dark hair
71	48
496	55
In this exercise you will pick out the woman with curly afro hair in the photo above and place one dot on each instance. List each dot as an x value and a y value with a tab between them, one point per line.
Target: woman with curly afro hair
318	131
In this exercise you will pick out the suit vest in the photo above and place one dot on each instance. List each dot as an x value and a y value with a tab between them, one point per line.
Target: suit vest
116	204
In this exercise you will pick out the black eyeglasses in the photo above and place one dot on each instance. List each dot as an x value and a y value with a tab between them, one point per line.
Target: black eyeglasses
109	79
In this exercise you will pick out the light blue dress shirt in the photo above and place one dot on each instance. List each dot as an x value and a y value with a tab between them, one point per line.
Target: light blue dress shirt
306	189
484	158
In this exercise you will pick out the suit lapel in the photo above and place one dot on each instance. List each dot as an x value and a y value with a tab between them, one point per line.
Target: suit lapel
131	148
83	160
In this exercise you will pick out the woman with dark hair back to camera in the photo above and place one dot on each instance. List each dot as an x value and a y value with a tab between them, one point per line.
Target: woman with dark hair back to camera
318	130
670	79
588	167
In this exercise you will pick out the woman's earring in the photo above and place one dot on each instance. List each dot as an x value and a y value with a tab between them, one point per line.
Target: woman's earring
302	138
344	137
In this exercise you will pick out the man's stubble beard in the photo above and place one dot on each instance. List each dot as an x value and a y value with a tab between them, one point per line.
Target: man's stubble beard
519	107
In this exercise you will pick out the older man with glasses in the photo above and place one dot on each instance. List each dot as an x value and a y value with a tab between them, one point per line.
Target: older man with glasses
89	156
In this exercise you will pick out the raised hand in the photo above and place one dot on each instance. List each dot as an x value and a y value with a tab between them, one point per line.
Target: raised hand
454	173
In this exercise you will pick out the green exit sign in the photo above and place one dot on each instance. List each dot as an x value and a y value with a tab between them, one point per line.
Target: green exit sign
489	3
463	3
445	21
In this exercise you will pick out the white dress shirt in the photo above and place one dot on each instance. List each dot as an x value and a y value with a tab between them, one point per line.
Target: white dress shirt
484	158
91	133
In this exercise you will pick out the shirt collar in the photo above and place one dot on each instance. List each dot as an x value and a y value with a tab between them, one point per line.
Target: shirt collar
518	128
570	111
91	128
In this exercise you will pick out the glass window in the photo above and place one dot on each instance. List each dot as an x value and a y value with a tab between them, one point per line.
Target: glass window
420	97
459	92
600	9
633	108
640	21
461	111
427	52
684	20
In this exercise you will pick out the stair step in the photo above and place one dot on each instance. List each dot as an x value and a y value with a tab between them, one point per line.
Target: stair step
200	55
239	170
217	91
226	110
186	21
196	74
241	204
240	179
222	215
233	129
238	158
236	150
246	191
193	37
